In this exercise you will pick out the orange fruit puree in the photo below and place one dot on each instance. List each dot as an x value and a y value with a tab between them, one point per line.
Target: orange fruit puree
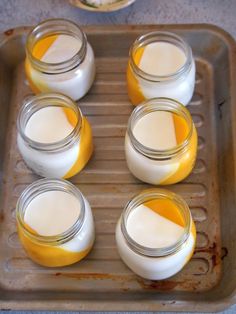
187	160
39	50
49	255
167	209
134	91
85	147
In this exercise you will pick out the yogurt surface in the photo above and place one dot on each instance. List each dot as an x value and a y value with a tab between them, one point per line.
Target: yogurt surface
52	213
49	125
161	58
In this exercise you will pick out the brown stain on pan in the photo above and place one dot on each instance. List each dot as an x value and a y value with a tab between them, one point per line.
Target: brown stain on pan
224	252
1	217
9	32
95	276
213	252
162	285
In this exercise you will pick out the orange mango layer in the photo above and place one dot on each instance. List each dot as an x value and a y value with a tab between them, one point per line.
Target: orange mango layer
167	209
50	256
85	148
187	160
134	91
39	50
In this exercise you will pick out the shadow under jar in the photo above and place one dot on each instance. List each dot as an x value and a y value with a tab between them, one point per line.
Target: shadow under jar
54	138
59	59
160	65
55	223
156	235
161	142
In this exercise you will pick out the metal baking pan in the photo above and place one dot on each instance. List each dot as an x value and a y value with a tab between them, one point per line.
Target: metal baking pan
102	282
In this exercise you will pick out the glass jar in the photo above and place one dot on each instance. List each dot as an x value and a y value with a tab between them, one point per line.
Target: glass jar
165	166
150	262
61	158
59	59
176	81
60	249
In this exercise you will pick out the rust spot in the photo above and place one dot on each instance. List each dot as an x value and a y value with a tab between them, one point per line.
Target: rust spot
224	252
57	274
214	254
214	260
1	217
164	285
9	32
97	276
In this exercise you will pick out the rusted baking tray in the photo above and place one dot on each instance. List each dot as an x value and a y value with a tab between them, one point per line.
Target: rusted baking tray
102	282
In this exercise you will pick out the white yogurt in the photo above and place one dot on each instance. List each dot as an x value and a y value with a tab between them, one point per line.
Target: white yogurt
161	59
150	230
52	213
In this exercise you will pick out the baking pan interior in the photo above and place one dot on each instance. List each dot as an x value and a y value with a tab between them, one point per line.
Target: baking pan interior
102	281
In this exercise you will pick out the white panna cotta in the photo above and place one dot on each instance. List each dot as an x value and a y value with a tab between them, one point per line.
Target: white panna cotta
60	62
154	237
161	65
54	139
56	225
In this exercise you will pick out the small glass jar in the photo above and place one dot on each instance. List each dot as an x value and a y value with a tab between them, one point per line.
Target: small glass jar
60	159
151	262
178	85
62	249
161	167
72	75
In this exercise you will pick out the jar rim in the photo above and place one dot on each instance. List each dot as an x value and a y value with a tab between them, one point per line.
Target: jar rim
159	104
156	36
51	27
39	187
38	102
148	195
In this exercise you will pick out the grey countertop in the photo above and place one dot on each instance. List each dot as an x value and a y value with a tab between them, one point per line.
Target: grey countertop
219	12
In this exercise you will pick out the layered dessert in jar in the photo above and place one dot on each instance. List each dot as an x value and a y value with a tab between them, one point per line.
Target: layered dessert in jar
59	59
54	138
55	223
156	234
161	142
160	65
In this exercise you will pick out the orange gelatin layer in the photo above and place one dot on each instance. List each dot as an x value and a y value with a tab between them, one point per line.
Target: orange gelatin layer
42	46
194	234
39	50
187	160
167	209
50	256
134	91
85	148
